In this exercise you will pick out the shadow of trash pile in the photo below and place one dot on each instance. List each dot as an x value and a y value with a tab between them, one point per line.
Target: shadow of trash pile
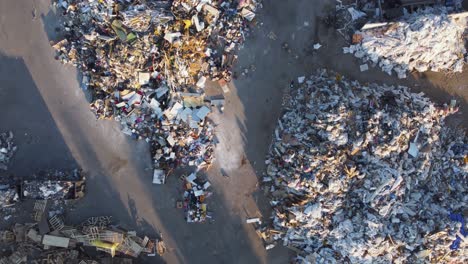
430	39
147	65
366	174
93	241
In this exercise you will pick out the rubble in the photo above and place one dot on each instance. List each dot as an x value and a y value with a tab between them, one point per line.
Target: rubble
7	149
345	189
194	198
72	244
143	61
426	40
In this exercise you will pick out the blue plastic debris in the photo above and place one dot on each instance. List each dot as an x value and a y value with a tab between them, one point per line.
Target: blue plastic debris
456	243
458	218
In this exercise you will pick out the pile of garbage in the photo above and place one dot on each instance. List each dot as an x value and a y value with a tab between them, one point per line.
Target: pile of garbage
146	64
367	174
7	149
427	40
54	242
59	185
194	199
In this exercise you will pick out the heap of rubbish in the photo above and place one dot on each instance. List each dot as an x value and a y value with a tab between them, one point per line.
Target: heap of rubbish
7	149
51	241
194	199
427	40
146	64
367	174
59	185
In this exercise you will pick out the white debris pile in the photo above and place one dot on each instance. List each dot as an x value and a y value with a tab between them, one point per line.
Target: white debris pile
426	40
367	174
7	149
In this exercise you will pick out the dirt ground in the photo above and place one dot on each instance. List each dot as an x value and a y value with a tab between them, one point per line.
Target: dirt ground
46	109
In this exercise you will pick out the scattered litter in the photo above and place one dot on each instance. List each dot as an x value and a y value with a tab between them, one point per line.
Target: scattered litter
7	149
159	177
253	220
364	67
270	246
271	35
345	189
317	46
300	79
355	14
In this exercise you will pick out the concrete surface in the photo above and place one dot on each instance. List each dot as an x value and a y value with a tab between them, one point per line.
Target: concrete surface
45	108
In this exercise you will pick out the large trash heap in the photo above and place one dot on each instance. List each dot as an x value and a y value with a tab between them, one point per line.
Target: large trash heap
147	64
367	174
427	40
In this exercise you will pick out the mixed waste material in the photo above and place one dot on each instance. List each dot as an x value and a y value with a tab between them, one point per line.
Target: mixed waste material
7	149
147	63
51	241
367	174
427	40
347	18
194	198
59	185
147	66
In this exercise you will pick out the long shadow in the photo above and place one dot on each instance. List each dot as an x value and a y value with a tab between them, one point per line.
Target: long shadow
39	141
40	144
121	186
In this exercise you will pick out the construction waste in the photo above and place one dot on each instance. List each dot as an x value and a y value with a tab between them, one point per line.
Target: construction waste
7	149
194	199
367	174
52	241
147	64
427	40
54	185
